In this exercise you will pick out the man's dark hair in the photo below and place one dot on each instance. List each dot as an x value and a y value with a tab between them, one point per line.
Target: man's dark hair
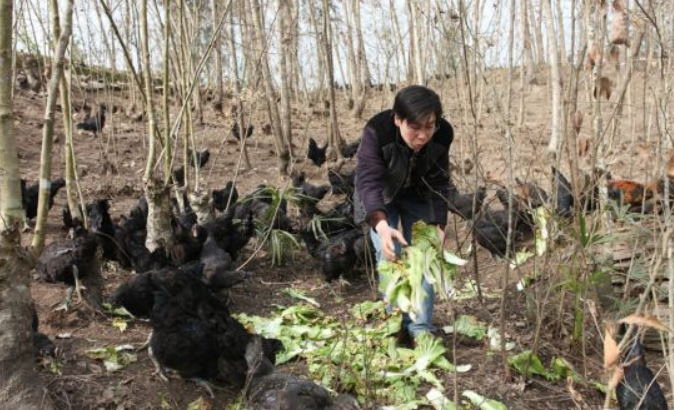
416	102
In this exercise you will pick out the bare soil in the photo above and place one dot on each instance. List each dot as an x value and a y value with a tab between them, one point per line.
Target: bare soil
112	166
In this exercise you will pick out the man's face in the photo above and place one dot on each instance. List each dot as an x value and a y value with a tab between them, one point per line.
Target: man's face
417	134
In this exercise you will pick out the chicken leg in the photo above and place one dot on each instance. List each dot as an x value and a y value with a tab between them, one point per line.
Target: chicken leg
159	370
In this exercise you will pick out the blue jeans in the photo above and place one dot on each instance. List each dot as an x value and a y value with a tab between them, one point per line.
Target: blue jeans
406	211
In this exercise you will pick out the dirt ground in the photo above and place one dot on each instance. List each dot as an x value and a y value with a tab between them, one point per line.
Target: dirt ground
112	167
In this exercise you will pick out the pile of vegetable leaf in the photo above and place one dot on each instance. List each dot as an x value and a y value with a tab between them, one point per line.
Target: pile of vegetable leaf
357	355
401	280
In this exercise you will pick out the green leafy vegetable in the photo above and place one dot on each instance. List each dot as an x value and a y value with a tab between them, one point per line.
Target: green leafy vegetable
114	357
468	326
401	281
299	294
482	402
529	364
120	324
495	340
439	401
107	307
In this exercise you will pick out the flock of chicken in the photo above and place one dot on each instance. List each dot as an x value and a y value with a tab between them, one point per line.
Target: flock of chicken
179	288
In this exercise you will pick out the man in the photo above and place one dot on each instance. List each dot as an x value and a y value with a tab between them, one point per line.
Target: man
403	177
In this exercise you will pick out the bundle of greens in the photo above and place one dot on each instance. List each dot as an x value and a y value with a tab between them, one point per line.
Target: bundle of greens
401	280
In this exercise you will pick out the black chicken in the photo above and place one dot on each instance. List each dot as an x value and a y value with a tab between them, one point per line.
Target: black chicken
491	227
187	242
521	207
639	390
94	125
101	224
315	153
462	204
564	191
186	214
179	174
490	232
200	158
237	134
138	214
334	221
277	391
30	195
137	295
221	196
130	235
67	217
342	183
217	267
309	195
342	209
268	194
265	213
531	194
194	334
133	252
349	150
75	262
42	345
231	234
340	254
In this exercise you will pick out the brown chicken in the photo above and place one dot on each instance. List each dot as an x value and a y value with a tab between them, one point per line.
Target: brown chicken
640	197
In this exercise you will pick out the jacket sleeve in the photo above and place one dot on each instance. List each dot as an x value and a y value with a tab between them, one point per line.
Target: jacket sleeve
440	185
371	177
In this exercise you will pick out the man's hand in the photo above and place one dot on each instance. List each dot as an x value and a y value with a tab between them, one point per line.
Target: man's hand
386	236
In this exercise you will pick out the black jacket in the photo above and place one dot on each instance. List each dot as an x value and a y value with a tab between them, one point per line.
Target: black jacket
385	162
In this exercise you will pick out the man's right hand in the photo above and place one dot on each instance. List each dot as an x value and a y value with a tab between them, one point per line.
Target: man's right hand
386	236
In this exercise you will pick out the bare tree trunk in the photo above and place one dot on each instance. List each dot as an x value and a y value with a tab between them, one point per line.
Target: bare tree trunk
186	63
555	79
354	75
70	162
284	49
476	47
320	52
270	94
540	51
598	44
509	142
19	386
335	141
197	96
415	42
168	146
562	38
572	52
626	77
527	70
158	222
361	63
424	38
48	130
404	57
293	48
217	57
365	75
125	51
237	88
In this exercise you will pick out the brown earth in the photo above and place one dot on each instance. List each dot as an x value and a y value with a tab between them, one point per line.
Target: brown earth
112	167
